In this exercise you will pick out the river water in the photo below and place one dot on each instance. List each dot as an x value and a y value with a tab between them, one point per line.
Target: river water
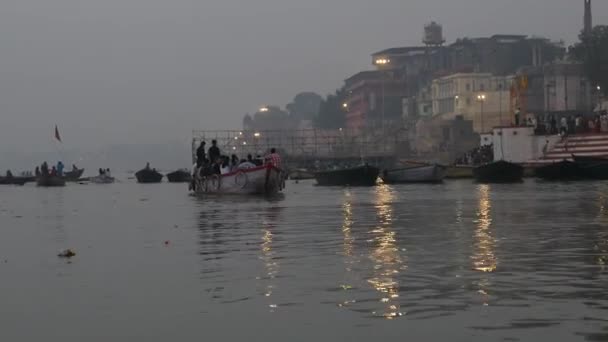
451	262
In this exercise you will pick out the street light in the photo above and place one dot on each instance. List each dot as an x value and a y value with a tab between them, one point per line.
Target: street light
256	134
481	98
264	109
345	105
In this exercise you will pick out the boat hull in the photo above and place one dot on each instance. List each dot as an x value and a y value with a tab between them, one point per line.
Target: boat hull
50	181
301	175
102	179
261	180
359	176
459	172
418	174
564	170
499	172
14	180
73	176
597	171
148	176
179	176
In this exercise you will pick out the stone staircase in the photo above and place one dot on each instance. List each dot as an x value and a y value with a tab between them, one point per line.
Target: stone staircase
591	145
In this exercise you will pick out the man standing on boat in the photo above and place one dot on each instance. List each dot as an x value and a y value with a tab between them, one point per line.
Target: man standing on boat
274	158
200	154
214	152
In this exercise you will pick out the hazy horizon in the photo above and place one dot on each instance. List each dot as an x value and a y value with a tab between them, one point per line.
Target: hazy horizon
142	72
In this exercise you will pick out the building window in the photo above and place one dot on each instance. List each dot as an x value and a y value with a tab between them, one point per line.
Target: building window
468	87
468	101
481	87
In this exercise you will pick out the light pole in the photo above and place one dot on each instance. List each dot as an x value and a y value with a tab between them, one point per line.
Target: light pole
599	98
381	62
481	98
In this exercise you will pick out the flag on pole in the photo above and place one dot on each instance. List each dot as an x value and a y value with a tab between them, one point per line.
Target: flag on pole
57	136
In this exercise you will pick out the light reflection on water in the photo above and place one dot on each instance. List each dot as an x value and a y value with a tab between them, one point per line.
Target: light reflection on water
455	261
385	255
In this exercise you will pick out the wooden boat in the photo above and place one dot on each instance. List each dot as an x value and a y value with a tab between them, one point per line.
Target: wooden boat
499	172
459	171
260	180
74	175
148	176
301	174
102	179
589	160
564	170
14	180
179	176
50	181
417	174
359	176
595	170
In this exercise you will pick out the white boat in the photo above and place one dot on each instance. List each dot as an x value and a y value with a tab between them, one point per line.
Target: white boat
102	179
415	174
260	180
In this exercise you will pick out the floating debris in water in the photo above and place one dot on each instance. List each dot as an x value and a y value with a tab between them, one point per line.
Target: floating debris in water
66	253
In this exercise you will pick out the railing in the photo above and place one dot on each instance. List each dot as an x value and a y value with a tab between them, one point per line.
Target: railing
314	143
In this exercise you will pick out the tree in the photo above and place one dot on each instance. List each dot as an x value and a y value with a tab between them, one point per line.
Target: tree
332	114
592	51
305	106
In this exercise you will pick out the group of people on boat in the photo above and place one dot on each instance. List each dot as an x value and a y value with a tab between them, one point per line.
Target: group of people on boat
105	172
212	161
54	171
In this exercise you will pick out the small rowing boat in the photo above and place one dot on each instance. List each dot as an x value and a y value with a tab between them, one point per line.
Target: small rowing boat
416	174
365	175
50	181
499	172
148	175
102	179
179	176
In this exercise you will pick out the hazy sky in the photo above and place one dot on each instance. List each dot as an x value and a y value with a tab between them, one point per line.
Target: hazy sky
149	70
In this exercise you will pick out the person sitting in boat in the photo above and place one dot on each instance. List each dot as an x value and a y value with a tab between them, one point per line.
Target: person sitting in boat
214	152
147	166
234	162
225	165
60	168
37	171
273	158
108	173
9	174
74	168
101	172
200	155
247	164
54	171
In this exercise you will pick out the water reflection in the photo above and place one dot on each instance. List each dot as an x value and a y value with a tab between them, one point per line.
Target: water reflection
269	255
483	257
348	246
385	255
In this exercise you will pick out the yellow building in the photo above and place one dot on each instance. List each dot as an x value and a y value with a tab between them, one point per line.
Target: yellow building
480	97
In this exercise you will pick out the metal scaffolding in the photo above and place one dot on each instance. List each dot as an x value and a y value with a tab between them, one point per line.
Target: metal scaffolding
308	143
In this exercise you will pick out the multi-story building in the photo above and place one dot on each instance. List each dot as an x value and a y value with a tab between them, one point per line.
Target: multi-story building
556	88
374	99
480	97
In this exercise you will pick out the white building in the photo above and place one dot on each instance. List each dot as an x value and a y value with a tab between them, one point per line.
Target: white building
479	97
